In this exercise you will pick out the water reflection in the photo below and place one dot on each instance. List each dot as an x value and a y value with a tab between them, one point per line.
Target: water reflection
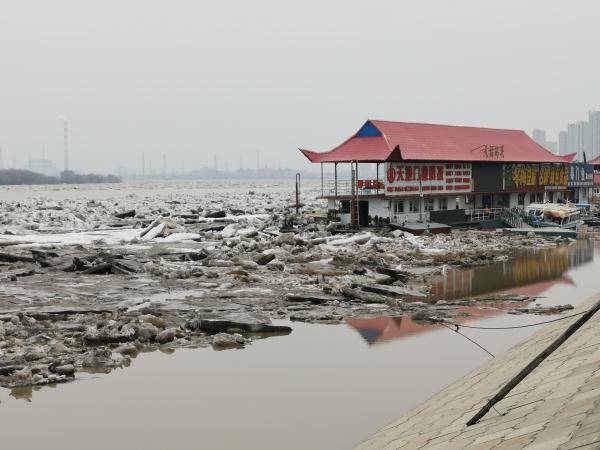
530	273
529	268
375	330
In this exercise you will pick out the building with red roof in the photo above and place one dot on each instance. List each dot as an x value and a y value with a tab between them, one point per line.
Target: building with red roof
443	173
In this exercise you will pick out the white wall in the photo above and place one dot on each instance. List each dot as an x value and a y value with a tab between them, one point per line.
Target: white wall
379	207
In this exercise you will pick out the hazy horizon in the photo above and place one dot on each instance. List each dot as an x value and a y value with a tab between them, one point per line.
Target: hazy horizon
192	80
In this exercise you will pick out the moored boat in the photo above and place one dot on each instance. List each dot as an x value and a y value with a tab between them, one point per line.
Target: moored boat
553	215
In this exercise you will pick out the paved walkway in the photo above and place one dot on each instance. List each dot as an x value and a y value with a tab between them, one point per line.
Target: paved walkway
557	406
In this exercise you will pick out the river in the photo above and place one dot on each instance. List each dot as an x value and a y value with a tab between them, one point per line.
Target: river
322	387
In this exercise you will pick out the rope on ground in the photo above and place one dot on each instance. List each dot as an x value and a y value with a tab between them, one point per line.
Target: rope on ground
519	326
471	340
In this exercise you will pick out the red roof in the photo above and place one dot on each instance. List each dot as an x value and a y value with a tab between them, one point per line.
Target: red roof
569	158
595	161
395	141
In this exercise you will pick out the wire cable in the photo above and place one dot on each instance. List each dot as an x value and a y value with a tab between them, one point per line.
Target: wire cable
519	326
471	340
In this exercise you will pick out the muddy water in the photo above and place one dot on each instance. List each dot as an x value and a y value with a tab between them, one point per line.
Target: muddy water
322	387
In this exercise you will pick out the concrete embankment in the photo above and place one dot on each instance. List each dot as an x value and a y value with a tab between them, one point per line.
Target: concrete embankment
557	406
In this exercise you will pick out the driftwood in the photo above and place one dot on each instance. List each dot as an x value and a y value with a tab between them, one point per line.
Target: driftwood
215	215
265	259
394	273
7	257
101	339
312	298
228	326
390	291
102	266
7	370
362	296
125	214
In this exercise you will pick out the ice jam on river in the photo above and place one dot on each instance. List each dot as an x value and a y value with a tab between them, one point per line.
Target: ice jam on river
94	279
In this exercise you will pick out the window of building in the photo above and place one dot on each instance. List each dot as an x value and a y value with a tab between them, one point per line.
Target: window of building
503	200
532	197
521	199
443	203
398	206
540	197
413	206
428	204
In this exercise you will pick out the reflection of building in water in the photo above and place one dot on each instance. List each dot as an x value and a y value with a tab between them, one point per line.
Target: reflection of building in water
527	268
530	274
380	329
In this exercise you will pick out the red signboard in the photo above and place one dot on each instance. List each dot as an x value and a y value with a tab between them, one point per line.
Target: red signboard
414	178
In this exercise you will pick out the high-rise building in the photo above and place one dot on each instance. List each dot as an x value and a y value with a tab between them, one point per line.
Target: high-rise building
539	136
563	143
594	130
576	138
551	145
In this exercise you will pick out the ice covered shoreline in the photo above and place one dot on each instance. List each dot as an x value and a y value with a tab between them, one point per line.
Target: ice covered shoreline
90	283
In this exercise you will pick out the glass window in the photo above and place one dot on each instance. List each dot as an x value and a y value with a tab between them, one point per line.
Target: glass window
398	206
443	203
532	197
503	200
428	204
413	206
521	199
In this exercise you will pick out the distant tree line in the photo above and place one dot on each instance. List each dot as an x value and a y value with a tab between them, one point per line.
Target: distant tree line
24	177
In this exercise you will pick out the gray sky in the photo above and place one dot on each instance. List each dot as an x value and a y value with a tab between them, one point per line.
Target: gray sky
193	78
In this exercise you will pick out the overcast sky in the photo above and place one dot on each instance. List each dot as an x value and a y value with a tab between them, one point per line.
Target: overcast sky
191	79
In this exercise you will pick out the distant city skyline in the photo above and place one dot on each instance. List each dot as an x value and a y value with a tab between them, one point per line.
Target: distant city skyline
580	137
194	79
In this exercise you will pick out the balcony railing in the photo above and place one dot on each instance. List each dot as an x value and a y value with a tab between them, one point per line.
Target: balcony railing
479	214
344	188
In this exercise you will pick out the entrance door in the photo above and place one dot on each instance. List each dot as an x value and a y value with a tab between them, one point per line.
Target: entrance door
363	213
487	201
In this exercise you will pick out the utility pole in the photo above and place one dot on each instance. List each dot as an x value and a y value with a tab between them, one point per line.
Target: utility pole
1	160
143	164
164	169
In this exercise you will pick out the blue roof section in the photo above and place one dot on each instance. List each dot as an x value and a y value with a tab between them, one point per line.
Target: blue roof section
368	130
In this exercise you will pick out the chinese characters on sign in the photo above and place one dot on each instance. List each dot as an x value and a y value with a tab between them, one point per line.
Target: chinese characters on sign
411	178
535	176
581	175
493	152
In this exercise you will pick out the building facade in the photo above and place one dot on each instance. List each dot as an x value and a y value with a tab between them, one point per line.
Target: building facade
444	173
